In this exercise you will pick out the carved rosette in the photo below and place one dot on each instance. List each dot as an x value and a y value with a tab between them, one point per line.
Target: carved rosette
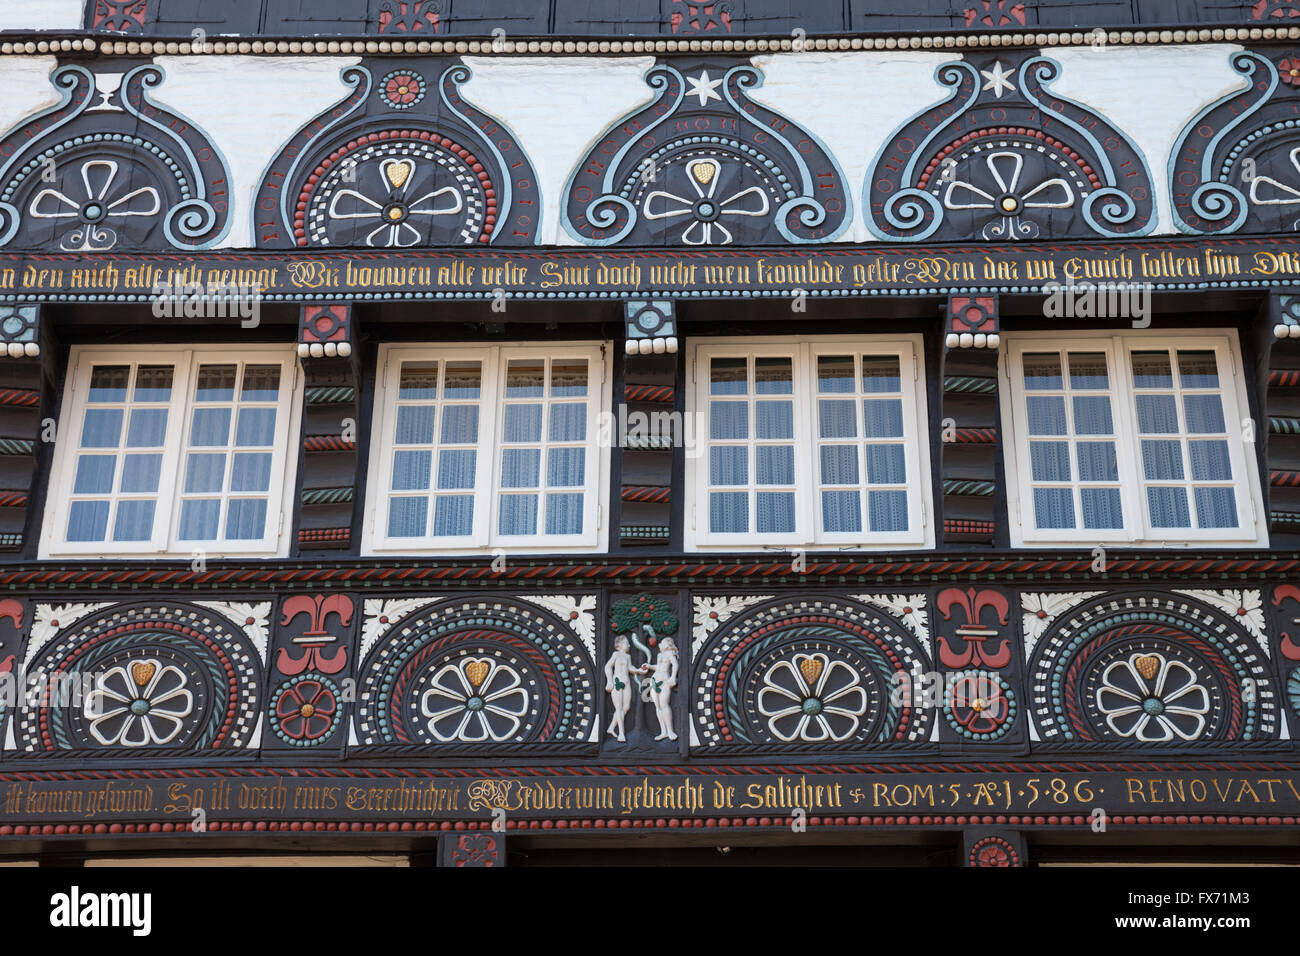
110	168
404	160
465	674
705	165
137	680
807	674
1149	670
1005	159
1236	165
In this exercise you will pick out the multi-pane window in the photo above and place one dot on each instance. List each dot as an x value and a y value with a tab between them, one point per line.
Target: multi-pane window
1073	468
488	446
1130	438
172	452
810	442
229	452
543	465
861	455
119	454
1187	469
435	449
751	457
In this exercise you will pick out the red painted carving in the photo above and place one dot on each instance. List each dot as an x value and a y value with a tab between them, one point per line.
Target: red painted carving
408	16
993	851
1275	10
995	13
478	849
13	610
973	632
968	313
120	15
317	636
301	705
690	17
1283	592
323	323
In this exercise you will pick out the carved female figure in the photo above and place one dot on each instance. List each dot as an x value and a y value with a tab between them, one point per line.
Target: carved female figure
659	686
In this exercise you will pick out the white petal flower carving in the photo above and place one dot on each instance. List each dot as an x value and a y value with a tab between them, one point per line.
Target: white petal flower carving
704	209
1152	699
1267	191
97	202
1009	201
140	703
473	700
393	211
809	697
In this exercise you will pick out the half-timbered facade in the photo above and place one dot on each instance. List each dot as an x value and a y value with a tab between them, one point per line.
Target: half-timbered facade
435	427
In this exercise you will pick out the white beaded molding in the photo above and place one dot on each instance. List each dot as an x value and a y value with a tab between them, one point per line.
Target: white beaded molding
972	340
22	349
324	350
27	47
1282	331
658	346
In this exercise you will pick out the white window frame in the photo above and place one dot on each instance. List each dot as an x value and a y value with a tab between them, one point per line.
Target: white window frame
1252	519
164	542
808	532
487	490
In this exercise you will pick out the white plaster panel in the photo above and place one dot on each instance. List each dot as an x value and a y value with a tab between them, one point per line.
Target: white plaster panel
250	106
41	14
557	108
853	103
1149	94
27	88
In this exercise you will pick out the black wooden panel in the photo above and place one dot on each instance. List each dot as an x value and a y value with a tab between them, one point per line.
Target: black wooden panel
15	472
775	18
967	516
885	15
1189	12
670	18
480	17
1065	13
647	468
600	18
314	16
179	17
965	461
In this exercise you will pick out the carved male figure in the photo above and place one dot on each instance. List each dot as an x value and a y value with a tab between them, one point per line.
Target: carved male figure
618	684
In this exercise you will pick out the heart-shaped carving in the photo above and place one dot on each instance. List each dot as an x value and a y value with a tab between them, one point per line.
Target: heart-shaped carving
397	171
811	668
1148	665
142	672
703	171
477	672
